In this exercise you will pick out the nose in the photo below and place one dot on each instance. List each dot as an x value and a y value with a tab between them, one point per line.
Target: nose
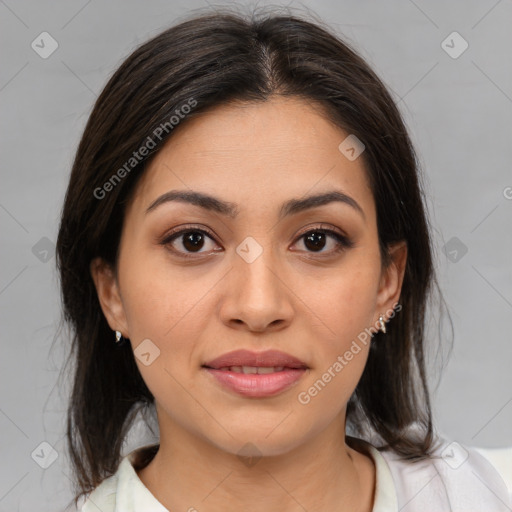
256	297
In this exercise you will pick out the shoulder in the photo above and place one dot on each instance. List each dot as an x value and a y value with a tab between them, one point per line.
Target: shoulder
501	460
455	477
124	491
103	497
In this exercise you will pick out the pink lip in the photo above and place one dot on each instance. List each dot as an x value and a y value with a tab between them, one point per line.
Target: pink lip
248	358
256	385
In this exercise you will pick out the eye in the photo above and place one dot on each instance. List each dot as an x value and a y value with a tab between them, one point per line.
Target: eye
316	240
188	241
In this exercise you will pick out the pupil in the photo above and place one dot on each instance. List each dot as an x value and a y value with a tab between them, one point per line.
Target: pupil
317	239
193	241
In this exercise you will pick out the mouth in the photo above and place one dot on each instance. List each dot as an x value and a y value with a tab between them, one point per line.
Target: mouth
239	360
248	370
256	375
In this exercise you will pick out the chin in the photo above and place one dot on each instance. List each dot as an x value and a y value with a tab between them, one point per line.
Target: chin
257	440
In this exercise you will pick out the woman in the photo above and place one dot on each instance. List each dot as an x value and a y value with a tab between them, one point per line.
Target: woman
244	246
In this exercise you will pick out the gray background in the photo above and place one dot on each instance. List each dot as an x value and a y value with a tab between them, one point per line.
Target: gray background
459	112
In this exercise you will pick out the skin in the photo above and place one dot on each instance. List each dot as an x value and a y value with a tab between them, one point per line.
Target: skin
291	298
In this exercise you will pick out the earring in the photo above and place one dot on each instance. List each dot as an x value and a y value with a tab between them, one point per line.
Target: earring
382	324
120	341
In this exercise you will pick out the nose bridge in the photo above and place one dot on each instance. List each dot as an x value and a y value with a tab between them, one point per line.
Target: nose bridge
257	268
257	294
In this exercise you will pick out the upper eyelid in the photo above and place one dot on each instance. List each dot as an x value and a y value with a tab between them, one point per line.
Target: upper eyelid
320	227
186	229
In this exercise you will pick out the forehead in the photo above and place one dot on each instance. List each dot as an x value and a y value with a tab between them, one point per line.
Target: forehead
254	152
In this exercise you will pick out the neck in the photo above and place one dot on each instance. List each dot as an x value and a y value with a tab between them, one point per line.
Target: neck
324	474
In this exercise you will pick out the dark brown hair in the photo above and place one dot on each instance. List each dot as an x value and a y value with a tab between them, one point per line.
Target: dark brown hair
212	59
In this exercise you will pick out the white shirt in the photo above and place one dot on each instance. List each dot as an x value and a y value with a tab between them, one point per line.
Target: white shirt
455	479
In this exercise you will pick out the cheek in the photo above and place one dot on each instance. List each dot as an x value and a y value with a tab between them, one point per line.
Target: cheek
164	307
160	300
344	302
343	308
170	306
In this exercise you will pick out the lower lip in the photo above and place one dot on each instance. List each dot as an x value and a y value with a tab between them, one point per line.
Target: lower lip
255	385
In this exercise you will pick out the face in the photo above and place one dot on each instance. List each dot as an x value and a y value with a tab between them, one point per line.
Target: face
258	268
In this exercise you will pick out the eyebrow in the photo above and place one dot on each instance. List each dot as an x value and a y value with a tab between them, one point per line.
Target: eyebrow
291	207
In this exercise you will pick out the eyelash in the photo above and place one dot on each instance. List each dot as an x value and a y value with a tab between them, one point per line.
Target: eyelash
343	242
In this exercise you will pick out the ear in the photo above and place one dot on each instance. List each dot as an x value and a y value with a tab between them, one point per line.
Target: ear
109	297
391	279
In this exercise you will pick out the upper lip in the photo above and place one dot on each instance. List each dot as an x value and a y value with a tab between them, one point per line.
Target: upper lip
269	358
